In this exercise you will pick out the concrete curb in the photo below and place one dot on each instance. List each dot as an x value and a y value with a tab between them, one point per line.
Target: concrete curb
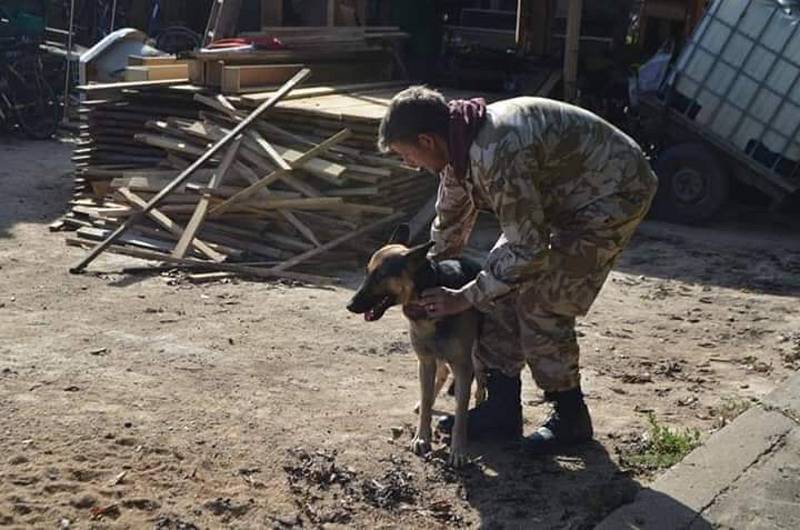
685	496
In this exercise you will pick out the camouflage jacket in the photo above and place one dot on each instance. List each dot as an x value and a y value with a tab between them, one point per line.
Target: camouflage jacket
534	163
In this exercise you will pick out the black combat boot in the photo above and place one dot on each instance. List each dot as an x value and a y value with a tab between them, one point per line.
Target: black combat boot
499	417
569	424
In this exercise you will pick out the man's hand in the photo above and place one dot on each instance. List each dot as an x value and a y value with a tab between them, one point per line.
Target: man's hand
441	302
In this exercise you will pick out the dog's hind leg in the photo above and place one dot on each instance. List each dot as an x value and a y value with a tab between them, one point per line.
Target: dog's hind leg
458	445
442	371
421	444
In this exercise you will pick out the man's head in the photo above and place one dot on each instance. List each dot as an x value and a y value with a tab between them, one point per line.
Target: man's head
416	126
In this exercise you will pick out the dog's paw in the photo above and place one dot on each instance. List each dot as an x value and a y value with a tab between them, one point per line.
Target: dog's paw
420	446
458	458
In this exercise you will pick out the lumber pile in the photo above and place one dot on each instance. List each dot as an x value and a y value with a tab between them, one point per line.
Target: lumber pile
300	188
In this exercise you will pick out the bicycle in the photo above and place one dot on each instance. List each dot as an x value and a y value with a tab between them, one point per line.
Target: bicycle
25	96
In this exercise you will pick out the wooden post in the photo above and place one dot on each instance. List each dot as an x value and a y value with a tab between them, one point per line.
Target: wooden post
330	12
534	26
361	11
571	47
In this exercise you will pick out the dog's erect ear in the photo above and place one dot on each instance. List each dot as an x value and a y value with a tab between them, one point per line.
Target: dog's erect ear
419	253
401	235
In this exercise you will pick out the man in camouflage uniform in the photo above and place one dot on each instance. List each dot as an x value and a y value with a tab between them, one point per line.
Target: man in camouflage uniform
568	189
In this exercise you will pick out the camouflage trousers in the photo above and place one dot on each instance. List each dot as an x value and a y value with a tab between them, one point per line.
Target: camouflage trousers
535	325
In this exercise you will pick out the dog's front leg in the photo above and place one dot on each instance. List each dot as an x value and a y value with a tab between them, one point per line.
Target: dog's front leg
421	444
458	445
442	371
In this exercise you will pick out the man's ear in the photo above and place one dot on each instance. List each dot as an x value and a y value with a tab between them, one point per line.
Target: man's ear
401	235
419	253
426	141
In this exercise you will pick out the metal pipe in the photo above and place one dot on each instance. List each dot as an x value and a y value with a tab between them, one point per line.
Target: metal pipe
113	16
65	117
186	173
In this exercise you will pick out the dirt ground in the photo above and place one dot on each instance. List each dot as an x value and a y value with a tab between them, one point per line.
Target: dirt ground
146	401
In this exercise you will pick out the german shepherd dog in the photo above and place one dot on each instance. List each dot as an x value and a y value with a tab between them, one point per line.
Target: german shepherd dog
397	275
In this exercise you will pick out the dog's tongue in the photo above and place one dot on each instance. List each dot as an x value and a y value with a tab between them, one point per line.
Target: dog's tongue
369	316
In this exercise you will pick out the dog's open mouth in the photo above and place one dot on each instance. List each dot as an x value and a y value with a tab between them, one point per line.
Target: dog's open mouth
380	308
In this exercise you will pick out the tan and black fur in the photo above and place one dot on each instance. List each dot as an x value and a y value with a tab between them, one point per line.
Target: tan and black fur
396	275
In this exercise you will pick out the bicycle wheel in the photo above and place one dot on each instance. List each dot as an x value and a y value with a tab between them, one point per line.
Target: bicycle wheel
34	101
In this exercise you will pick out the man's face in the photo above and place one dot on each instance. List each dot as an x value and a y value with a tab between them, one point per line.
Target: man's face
429	152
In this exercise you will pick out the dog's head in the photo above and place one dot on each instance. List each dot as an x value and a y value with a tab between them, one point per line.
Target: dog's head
390	276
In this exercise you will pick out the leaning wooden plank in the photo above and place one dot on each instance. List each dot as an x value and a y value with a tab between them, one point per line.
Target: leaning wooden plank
336	242
328	171
215	245
99	87
135	239
279	240
185	174
284	158
232	267
550	83
275	175
302	228
218	104
201	210
221	104
269	150
298	184
170	225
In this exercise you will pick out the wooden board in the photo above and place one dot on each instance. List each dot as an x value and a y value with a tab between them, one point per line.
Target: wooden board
140	60
101	87
157	72
235	78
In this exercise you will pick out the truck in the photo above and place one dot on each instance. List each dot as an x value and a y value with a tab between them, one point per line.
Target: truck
728	109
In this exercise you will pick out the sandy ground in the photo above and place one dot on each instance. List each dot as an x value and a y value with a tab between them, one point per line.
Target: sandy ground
146	401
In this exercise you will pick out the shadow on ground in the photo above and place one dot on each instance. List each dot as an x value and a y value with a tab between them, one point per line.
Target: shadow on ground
575	490
39	199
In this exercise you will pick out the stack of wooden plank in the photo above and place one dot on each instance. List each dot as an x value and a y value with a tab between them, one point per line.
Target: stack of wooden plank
300	188
334	55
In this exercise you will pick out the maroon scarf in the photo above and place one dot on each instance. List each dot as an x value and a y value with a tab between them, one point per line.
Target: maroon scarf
466	118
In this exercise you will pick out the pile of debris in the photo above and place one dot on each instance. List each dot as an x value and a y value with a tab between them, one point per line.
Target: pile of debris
200	180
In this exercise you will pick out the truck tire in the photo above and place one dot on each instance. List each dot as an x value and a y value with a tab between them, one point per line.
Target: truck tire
692	184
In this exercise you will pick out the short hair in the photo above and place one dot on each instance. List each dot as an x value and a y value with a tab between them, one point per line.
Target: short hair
415	110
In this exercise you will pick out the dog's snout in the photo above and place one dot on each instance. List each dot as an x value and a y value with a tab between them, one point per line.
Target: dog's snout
354	305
